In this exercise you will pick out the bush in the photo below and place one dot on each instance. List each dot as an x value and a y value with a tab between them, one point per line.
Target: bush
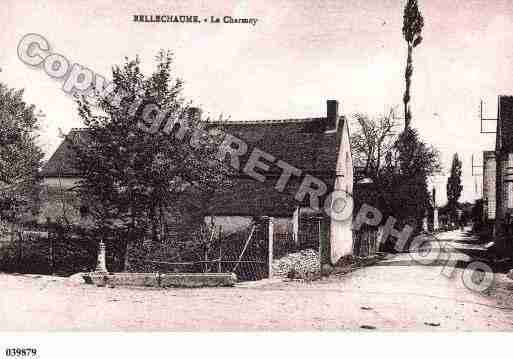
19	257
74	250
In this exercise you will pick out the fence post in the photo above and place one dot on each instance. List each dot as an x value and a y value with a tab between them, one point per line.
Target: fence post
20	245
269	225
295	225
271	246
52	255
219	264
50	231
324	241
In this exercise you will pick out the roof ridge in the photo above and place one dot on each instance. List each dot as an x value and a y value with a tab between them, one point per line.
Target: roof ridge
275	121
242	122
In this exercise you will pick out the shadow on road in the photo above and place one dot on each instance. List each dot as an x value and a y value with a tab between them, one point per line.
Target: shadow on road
410	263
456	249
460	247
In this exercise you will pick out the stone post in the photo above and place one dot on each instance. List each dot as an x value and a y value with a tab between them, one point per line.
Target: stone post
435	211
435	219
295	225
379	238
271	245
101	264
425	224
269	233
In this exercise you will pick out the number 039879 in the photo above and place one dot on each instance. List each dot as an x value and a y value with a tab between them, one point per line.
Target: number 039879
20	352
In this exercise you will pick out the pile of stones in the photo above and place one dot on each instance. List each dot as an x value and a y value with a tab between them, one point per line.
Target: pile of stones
300	265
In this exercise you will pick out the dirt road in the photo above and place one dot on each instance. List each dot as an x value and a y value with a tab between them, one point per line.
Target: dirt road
395	294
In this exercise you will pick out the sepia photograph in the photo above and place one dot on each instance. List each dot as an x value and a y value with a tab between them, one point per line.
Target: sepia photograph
236	166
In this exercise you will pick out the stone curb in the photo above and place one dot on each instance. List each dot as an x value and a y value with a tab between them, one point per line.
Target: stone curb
161	280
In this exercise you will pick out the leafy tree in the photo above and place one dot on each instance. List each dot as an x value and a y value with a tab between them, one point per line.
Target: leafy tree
20	157
399	166
411	163
477	214
454	186
135	181
413	22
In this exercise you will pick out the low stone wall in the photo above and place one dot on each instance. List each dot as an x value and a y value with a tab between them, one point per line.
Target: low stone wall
191	280
179	280
124	279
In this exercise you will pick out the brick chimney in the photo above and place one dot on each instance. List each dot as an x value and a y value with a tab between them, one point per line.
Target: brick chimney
328	123
331	115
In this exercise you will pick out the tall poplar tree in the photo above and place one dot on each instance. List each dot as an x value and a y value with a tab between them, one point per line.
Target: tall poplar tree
413	22
454	186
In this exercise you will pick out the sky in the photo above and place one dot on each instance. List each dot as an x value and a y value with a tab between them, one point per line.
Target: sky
299	54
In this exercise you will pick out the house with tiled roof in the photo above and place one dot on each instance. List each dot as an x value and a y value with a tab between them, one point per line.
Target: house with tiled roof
59	179
294	151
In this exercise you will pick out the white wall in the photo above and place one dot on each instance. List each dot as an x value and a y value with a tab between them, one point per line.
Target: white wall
56	182
341	235
232	224
57	201
489	178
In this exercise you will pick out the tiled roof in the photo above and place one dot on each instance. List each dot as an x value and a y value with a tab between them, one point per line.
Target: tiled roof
61	164
302	143
299	143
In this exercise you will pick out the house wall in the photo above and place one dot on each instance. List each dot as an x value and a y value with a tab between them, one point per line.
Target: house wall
61	182
341	235
57	204
507	193
230	224
504	165
59	201
489	178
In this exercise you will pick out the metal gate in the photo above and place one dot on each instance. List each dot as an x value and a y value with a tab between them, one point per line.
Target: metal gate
365	241
248	257
245	253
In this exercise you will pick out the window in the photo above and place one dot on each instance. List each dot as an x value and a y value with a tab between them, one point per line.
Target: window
84	211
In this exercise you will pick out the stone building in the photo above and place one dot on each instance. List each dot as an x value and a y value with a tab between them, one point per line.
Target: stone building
316	147
498	174
59	202
489	171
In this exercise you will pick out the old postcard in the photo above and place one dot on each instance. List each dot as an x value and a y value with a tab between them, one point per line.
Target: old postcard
235	166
